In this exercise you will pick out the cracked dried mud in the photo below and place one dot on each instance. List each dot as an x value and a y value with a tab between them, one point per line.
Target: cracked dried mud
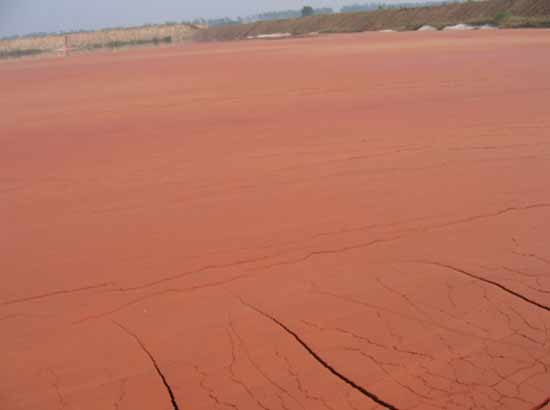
355	221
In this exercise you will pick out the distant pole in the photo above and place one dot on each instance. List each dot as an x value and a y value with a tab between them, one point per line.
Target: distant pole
66	47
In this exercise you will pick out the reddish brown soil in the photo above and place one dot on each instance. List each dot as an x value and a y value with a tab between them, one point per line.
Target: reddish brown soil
301	224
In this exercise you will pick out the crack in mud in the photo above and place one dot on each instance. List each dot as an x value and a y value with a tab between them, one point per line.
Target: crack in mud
491	214
488	281
348	248
211	393
315	253
169	390
299	384
542	405
320	360
55	384
159	293
121	394
300	259
532	255
262	372
55	293
232	371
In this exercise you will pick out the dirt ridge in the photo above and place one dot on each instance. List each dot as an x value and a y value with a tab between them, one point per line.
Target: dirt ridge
506	13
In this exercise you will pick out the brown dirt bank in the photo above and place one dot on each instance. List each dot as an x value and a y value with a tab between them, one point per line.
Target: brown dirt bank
513	13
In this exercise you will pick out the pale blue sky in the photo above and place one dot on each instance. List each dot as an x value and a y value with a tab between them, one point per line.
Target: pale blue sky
25	16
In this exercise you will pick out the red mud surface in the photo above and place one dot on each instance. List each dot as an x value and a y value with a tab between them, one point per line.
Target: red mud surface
345	222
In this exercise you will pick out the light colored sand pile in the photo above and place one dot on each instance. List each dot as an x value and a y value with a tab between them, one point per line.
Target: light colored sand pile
271	36
459	27
427	28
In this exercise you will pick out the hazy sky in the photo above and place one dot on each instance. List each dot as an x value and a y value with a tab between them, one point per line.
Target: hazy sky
25	16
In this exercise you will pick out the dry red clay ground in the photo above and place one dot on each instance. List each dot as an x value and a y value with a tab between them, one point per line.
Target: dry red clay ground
346	222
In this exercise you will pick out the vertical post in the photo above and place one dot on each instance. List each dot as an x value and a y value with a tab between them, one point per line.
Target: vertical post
66	47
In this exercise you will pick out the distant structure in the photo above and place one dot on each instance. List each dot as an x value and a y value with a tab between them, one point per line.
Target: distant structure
66	48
